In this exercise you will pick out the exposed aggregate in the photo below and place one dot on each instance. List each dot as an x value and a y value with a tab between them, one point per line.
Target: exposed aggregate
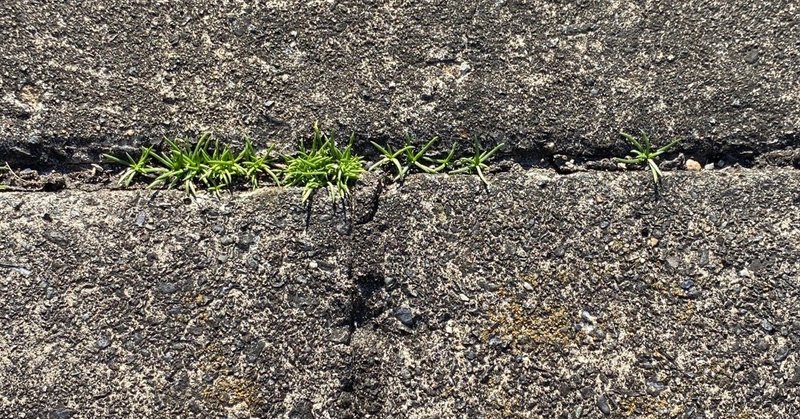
547	296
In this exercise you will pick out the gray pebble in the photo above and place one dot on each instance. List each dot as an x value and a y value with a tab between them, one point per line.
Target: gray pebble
245	241
168	287
61	413
767	326
602	404
405	315
103	343
781	354
655	388
141	218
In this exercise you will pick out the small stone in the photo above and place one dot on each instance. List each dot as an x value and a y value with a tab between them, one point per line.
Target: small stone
245	241
652	242
405	315
342	335
693	165
687	284
566	165
463	297
22	271
168	287
602	404
694	293
709	166
103	343
751	56
673	262
767	326
141	217
61	413
255	350
586	316
781	354
655	388
253	263
497	343
528	287
598	333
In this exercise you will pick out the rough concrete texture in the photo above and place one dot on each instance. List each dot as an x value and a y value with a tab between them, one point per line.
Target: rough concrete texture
548	296
560	77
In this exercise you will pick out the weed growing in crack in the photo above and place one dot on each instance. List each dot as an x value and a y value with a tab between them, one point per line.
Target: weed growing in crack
642	153
212	165
413	159
182	164
477	162
392	156
258	163
324	164
135	166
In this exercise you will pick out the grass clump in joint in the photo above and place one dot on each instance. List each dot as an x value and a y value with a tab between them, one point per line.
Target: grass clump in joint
643	153
139	166
477	162
213	165
414	159
324	164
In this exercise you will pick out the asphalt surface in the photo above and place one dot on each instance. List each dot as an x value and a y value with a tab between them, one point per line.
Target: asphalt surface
547	296
547	78
574	292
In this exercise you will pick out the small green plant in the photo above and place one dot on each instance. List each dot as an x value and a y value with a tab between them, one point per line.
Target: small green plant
477	162
390	155
257	163
207	163
324	164
413	159
135	166
643	153
183	164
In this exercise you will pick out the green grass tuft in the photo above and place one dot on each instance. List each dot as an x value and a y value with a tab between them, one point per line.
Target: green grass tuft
642	153
324	164
413	159
206	163
135	166
477	162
